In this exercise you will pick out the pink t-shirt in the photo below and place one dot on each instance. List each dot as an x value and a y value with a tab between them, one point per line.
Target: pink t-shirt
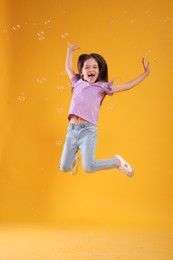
87	97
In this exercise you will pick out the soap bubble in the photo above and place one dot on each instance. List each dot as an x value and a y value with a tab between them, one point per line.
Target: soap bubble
166	19
147	52
41	80
58	142
110	106
132	21
147	11
47	22
63	73
4	30
21	97
64	35
40	36
16	27
60	109
60	88
153	60
112	22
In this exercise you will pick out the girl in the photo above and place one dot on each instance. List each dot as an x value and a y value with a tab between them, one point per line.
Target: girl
89	87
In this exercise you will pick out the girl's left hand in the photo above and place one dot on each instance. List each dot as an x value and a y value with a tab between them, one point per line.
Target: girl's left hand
146	66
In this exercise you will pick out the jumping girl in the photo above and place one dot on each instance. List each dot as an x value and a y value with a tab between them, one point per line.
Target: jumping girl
89	88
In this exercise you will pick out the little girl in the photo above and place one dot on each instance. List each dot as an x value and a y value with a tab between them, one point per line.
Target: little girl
89	88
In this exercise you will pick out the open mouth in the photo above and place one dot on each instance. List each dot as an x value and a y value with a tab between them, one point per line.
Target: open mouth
92	75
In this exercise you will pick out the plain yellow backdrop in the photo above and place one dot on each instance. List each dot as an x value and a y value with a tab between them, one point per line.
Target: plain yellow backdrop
34	102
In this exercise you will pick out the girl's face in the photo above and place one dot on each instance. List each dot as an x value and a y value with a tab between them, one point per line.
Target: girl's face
90	70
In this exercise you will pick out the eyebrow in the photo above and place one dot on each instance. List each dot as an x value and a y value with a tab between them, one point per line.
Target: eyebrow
87	65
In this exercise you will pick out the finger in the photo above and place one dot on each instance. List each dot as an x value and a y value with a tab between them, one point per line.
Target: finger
148	65
143	62
77	46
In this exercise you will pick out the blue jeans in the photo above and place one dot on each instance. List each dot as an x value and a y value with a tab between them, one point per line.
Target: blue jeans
83	137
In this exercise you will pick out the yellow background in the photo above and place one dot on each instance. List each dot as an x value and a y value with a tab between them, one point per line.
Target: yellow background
34	102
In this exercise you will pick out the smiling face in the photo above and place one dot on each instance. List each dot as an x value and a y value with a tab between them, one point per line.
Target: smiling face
90	70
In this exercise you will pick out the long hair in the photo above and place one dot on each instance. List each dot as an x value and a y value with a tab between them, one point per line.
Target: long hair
103	68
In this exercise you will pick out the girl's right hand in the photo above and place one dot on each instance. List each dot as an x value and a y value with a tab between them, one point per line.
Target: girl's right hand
73	47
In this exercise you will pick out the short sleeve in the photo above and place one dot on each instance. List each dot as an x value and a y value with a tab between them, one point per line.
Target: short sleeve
74	80
107	87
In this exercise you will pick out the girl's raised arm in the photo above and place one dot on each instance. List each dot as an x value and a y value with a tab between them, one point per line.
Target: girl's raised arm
69	63
134	82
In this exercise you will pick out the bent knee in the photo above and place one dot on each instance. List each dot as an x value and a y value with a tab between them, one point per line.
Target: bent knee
64	168
88	169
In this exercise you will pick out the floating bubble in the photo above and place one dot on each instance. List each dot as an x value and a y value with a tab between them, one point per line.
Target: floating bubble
110	106
147	11
166	19
132	21
147	52
22	97
58	142
4	30
16	27
63	73
64	11
47	22
60	109
64	35
60	88
112	22
153	60
41	80
40	36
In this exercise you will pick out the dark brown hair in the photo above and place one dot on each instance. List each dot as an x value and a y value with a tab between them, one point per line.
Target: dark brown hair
103	68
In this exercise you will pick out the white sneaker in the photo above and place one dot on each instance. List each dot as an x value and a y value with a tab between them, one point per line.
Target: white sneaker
75	167
124	166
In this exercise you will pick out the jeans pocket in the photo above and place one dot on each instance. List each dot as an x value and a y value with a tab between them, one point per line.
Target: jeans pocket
92	129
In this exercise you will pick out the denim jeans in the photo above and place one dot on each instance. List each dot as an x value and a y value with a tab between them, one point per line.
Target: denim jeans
83	137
